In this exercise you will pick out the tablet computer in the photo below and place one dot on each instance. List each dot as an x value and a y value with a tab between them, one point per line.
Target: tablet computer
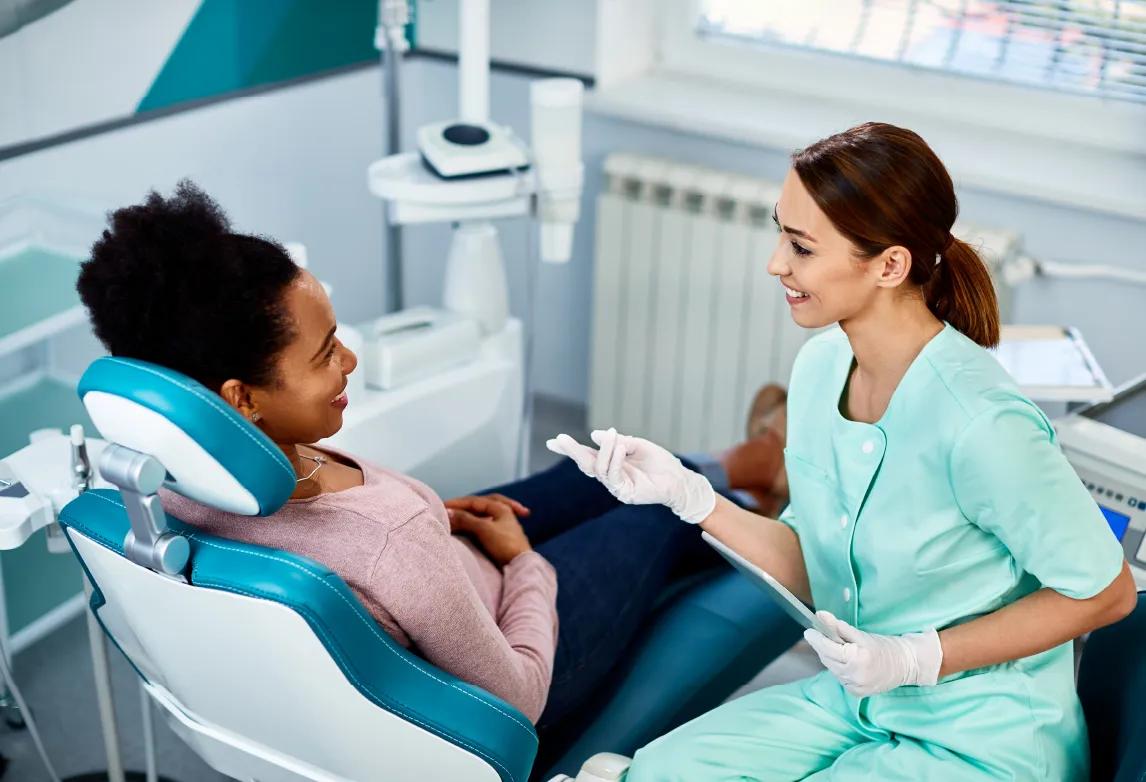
791	604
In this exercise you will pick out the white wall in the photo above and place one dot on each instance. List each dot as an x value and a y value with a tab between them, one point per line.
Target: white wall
555	34
90	61
290	164
1111	316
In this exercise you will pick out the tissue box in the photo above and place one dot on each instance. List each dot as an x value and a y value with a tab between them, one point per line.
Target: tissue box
416	343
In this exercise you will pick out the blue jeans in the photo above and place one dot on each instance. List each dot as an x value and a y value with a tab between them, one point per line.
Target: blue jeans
612	562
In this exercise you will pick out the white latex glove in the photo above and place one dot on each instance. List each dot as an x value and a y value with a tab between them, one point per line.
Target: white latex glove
638	472
868	664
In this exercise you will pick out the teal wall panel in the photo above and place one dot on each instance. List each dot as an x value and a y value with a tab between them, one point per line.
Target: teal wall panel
237	44
315	36
46	281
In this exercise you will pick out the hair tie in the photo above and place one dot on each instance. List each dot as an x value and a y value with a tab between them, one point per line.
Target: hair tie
947	243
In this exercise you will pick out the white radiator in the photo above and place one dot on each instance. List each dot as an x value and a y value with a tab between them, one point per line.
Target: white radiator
687	322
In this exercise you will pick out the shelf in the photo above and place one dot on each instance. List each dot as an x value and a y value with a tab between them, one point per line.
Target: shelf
416	195
40	297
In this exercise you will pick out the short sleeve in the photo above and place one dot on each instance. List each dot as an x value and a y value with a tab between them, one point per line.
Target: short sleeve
1011	479
788	517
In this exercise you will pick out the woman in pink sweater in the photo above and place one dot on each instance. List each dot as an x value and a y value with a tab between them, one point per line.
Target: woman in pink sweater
532	591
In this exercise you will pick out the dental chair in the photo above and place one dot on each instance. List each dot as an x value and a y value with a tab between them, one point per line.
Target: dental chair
267	665
1112	688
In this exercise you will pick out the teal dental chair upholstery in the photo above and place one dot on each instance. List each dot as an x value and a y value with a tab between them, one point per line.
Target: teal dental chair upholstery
268	666
1112	687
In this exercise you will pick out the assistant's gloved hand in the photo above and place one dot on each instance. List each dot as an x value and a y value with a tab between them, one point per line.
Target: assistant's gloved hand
638	472
868	664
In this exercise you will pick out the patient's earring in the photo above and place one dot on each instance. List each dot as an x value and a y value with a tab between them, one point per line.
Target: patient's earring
255	416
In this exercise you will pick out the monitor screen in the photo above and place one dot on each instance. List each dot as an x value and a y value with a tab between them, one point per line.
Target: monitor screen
1127	413
1118	521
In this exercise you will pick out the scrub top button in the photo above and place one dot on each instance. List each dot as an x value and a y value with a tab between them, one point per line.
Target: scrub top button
844	521
868	446
847	595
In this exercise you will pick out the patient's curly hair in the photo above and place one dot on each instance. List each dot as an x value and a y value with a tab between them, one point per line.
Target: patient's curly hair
168	282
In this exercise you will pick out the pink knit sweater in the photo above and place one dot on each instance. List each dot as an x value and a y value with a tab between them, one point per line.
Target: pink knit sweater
433	592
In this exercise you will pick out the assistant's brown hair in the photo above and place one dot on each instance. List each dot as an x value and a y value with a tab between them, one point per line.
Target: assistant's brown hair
882	186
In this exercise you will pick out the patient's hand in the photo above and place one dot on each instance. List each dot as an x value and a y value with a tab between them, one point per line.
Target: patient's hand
515	506
493	523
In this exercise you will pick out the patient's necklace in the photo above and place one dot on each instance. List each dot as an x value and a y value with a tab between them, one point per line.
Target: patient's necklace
318	462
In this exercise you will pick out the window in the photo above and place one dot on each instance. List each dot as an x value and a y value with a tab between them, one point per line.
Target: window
1089	47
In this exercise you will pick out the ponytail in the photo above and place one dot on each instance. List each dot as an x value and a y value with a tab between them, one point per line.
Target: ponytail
961	292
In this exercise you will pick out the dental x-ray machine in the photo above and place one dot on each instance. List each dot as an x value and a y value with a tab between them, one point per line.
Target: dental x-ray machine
448	386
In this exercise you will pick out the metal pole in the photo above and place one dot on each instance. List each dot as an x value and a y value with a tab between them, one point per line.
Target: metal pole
8	708
102	673
473	61
148	734
393	16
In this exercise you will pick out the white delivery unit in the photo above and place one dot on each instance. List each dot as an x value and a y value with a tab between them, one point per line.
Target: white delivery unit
1106	444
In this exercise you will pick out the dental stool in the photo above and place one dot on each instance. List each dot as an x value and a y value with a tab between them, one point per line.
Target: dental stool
268	666
1112	688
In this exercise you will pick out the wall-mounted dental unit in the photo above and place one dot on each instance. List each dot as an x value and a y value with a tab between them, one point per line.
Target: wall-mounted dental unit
446	395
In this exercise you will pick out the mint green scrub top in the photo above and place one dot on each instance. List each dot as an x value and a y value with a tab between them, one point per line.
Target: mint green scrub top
957	502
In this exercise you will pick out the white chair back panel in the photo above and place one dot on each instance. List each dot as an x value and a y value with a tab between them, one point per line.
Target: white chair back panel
254	669
195	472
234	755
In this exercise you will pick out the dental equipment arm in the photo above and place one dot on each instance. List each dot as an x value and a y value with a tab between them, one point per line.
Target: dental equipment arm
40	479
639	472
21	512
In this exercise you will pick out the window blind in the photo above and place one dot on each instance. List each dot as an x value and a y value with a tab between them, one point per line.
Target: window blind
1091	47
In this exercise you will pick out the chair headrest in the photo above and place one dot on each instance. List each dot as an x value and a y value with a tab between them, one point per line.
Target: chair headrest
212	454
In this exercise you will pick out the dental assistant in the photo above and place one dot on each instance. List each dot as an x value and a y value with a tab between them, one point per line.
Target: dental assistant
933	520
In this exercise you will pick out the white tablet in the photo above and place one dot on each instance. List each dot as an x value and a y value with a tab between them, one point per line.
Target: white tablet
791	604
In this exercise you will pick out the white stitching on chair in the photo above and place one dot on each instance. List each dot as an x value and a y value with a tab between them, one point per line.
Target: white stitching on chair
369	625
211	402
401	711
